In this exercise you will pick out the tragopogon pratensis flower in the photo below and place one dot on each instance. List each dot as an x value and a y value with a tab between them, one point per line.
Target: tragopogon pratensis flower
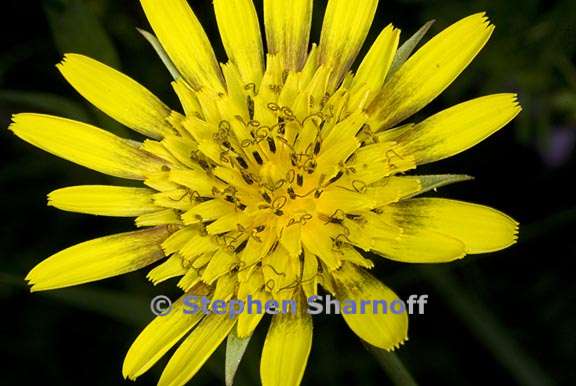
280	172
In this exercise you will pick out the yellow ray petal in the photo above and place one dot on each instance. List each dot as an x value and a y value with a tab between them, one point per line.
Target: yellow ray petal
318	237
159	217
187	97
99	259
480	228
189	280
220	264
249	319
117	95
430	70
288	30
407	242
170	268
185	41
85	145
104	200
158	337
207	211
196	349
286	349
240	32
384	330
455	129
346	24
375	65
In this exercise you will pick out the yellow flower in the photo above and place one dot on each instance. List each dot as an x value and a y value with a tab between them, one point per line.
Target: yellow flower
281	171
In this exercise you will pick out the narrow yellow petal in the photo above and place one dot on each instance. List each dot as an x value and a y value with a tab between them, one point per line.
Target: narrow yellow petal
406	241
189	280
248	321
339	144
286	349
158	337
196	349
288	25
85	145
187	97
117	95
455	129
384	330
159	217
346	24
207	211
185	42
430	70
317	237
104	200
99	259
220	264
375	65
170	268
480	228
240	32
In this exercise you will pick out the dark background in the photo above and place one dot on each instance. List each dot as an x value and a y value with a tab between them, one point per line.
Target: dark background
501	319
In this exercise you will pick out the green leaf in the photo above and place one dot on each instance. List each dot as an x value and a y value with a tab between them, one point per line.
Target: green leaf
46	102
161	53
77	29
408	47
235	349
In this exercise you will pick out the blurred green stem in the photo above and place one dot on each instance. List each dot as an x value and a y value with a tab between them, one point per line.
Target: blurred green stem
486	327
393	366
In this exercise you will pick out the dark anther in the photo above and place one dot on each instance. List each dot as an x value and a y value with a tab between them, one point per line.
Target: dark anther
294	159
242	162
247	179
281	126
335	220
260	228
241	246
291	193
266	197
250	107
300	180
278	212
241	206
203	164
271	144
336	177
317	148
317	194
258	158
310	166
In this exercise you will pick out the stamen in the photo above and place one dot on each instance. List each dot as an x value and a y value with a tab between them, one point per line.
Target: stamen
271	144
257	157
242	162
300	180
317	148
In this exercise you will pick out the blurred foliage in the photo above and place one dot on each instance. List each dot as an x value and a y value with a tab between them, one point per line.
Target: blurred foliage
504	319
